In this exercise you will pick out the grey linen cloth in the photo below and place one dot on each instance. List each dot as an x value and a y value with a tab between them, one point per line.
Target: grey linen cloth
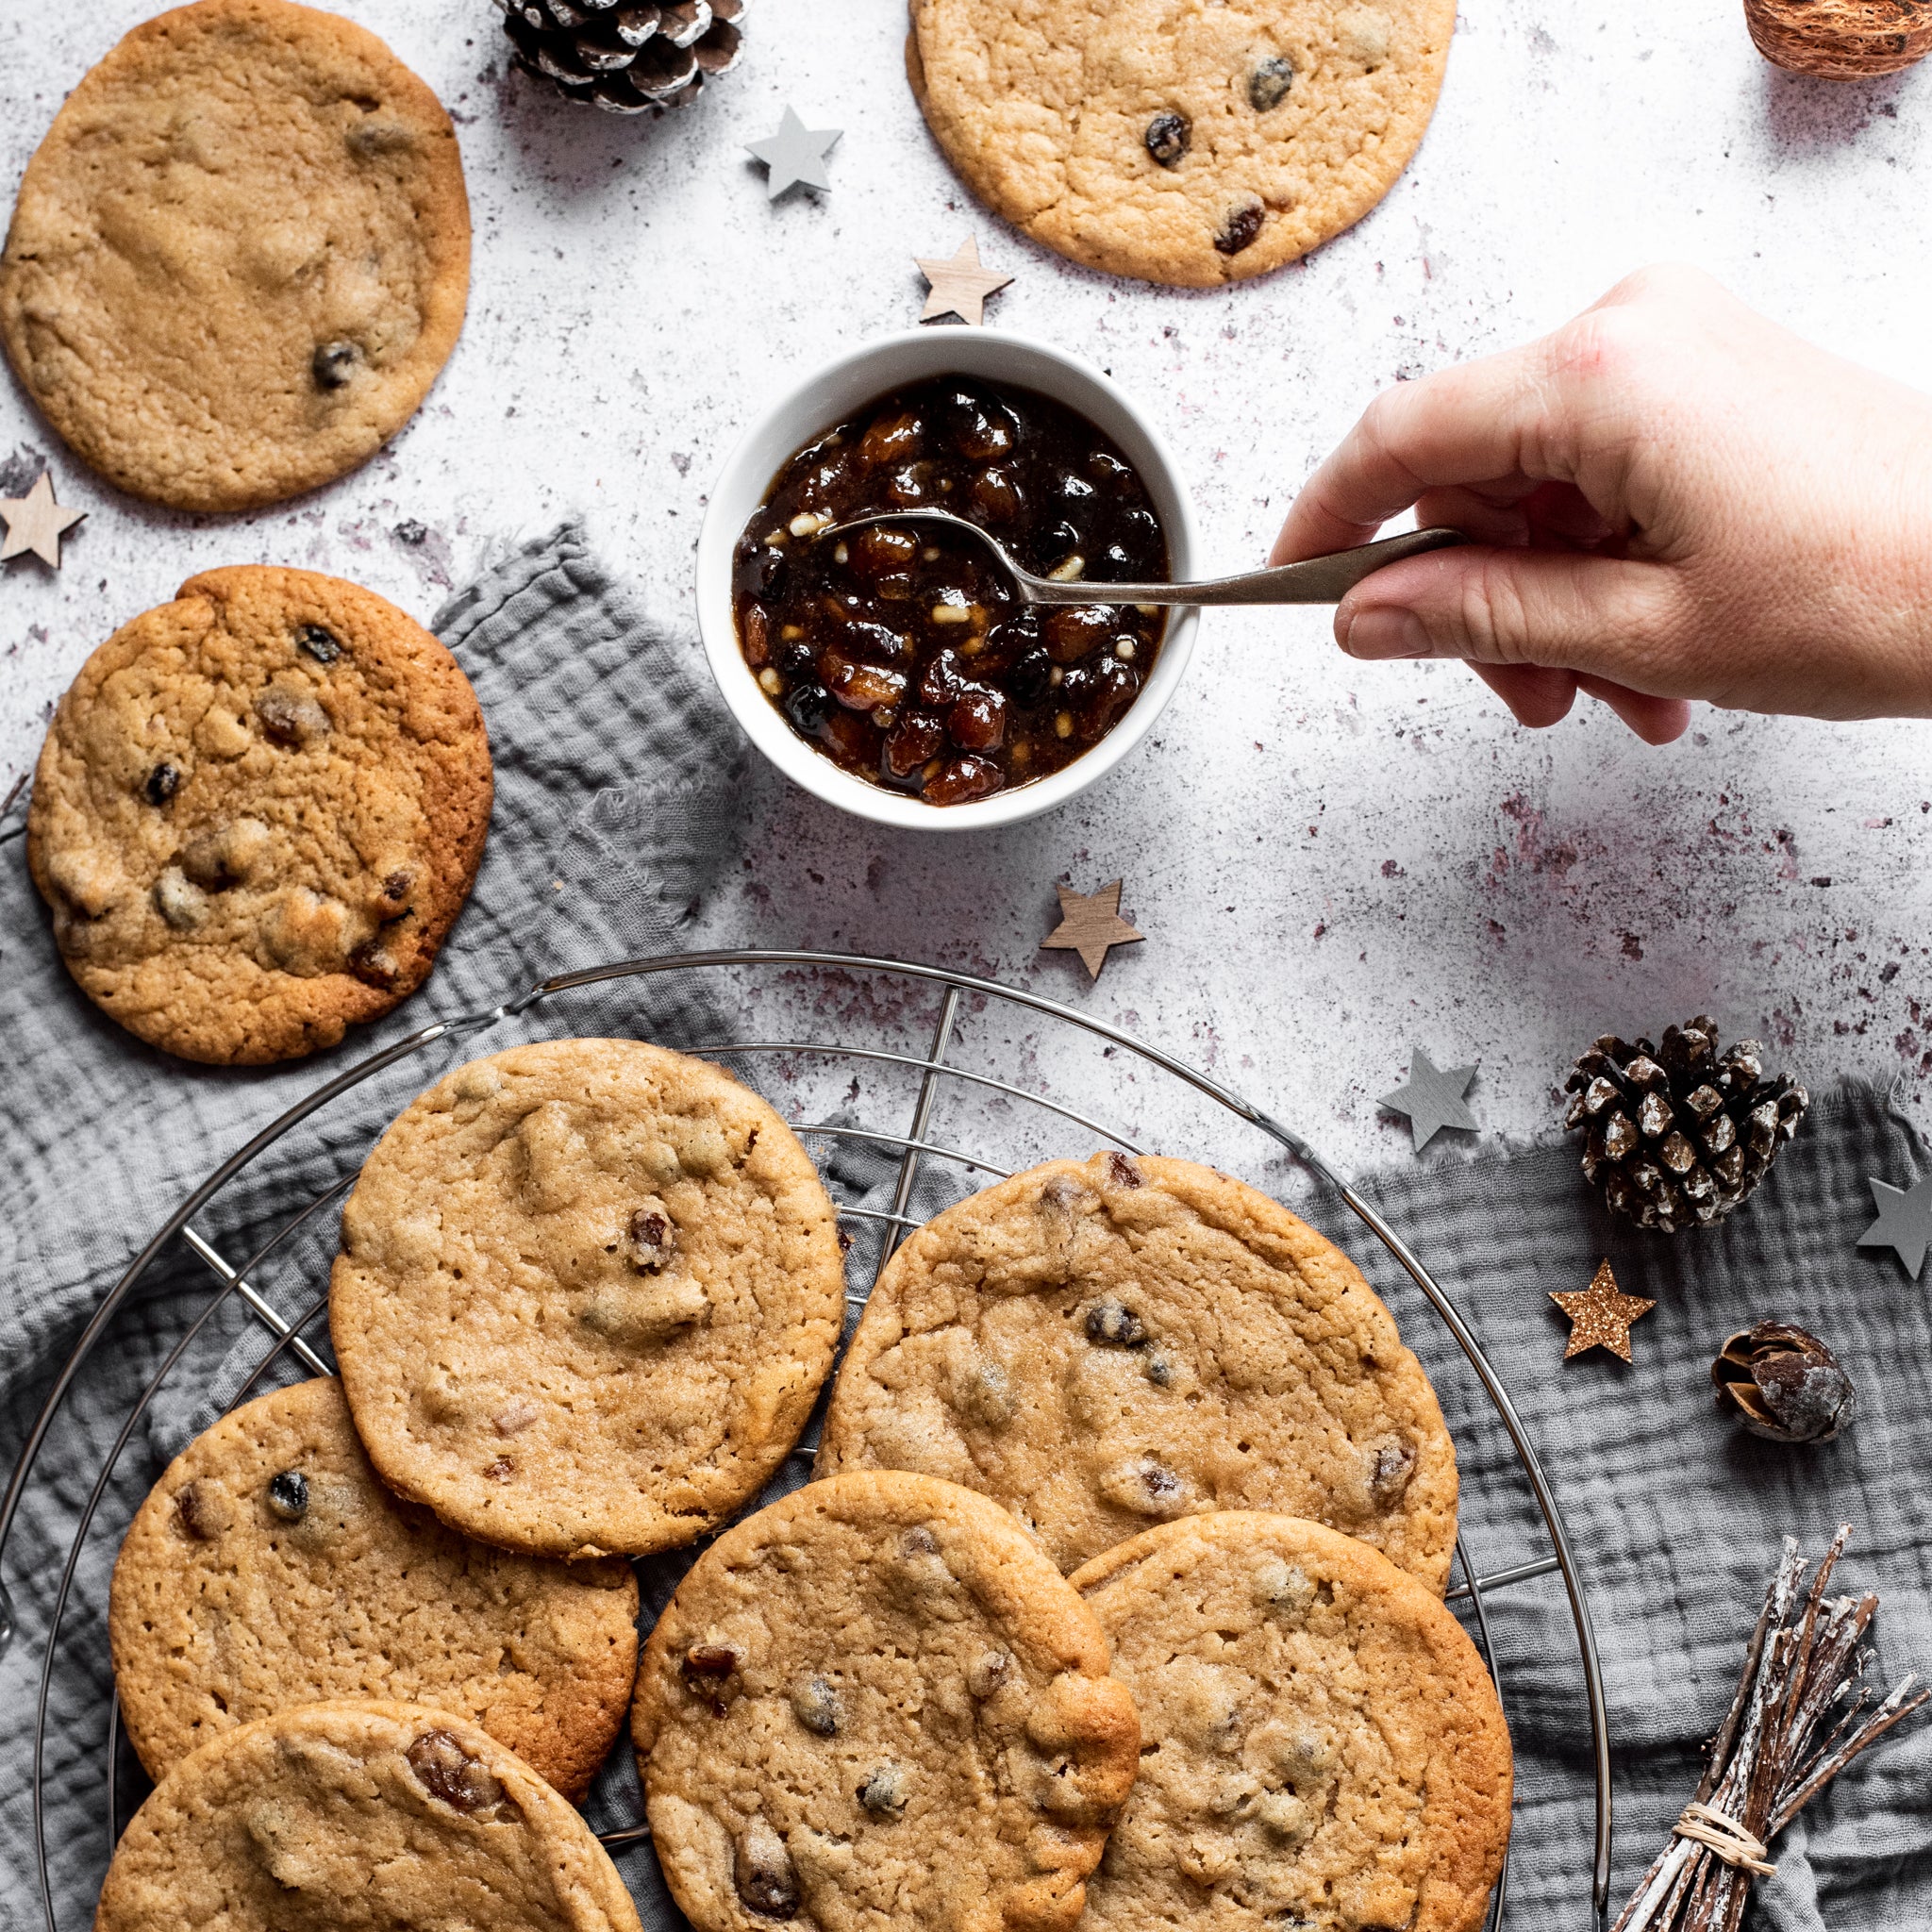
618	781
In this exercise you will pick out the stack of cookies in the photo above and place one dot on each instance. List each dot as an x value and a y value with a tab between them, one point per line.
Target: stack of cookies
1118	1592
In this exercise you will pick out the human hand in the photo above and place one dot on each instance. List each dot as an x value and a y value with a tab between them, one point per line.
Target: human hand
1670	498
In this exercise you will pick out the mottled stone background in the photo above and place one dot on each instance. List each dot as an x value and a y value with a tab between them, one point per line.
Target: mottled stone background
1330	861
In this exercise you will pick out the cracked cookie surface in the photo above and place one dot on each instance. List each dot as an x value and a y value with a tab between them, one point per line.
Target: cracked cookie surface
257	812
360	1816
875	1704
269	1568
1321	1745
1134	1340
587	1294
240	256
1187	141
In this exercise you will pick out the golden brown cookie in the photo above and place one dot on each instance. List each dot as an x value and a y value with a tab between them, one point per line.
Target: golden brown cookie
270	1568
1104	1346
360	1818
1191	142
874	1706
1322	1746
240	256
587	1294
258	812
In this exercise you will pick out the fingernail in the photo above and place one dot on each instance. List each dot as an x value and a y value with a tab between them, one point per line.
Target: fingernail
1384	631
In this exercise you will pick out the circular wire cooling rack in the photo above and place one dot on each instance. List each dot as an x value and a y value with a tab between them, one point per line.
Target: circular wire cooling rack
915	1061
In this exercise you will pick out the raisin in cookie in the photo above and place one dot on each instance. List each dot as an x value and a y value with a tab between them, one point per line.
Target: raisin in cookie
1323	1747
365	1816
587	1295
258	812
1106	1346
240	256
269	1568
1191	142
875	1704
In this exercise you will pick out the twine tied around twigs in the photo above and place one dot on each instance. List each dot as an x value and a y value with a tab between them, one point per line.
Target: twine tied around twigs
1725	1837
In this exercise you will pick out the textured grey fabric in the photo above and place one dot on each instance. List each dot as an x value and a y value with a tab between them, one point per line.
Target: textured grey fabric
618	782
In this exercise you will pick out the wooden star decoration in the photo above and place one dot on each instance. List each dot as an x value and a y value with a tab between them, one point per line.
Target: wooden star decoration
795	157
35	522
1904	1223
1601	1315
959	284
1091	923
1432	1098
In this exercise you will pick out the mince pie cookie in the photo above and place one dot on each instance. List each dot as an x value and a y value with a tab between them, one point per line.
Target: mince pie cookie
1107	1346
258	810
587	1294
360	1818
1192	142
240	256
269	1568
1322	1746
875	1704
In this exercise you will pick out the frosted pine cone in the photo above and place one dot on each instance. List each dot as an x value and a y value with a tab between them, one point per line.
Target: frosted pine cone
628	56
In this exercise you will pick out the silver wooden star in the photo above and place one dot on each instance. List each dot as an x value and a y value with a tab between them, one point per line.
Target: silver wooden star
795	156
1432	1098
1904	1223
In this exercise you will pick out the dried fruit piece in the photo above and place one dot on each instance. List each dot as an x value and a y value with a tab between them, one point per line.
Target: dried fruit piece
318	643
883	1793
1115	1324
1785	1383
653	1239
447	1771
200	1507
288	1495
162	784
1239	230
1167	138
334	364
1268	85
762	1872
1389	1468
962	779
290	717
815	1705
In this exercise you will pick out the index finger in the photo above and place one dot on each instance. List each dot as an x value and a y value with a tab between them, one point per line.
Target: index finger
1485	423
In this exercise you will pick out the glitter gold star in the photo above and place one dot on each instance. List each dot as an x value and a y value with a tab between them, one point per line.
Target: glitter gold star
1601	1315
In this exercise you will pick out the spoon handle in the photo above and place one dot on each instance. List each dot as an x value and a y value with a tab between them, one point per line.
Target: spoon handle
1319	581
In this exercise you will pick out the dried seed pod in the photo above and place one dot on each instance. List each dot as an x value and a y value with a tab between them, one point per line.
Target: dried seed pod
1840	39
639	58
1679	1134
1785	1383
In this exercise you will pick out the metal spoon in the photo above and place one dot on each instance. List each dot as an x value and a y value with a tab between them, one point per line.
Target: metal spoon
1319	581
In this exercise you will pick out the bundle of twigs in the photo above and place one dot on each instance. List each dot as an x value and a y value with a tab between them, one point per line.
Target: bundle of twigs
1801	1715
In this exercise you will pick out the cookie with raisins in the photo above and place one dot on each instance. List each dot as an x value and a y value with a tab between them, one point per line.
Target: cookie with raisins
1320	1742
1105	1347
876	1703
587	1295
366	1814
257	812
240	256
1189	142
270	1568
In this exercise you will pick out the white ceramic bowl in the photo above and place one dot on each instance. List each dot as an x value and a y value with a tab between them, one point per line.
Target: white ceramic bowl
874	369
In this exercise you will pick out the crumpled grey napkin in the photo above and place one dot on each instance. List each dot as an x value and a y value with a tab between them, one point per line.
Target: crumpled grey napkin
618	777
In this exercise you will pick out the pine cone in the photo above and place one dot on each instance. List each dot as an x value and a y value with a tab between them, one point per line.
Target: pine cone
1785	1383
628	56
1677	1134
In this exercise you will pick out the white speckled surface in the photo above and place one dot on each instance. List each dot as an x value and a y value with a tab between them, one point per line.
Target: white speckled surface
1329	859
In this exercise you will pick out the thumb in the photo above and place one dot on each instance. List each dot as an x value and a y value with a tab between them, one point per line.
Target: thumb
1605	617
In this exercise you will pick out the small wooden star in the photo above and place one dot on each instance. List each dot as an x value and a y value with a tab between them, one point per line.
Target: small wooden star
1600	1317
1904	1223
35	522
1432	1098
795	157
959	284
1089	923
